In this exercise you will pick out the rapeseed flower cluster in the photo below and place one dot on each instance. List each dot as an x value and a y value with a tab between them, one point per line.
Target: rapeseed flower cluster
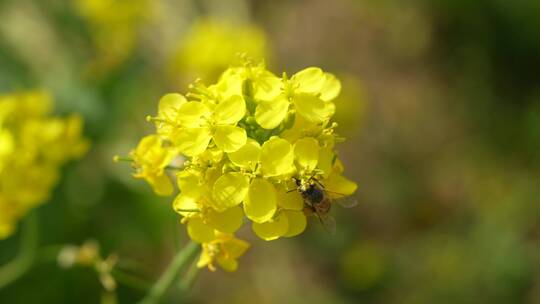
33	147
246	143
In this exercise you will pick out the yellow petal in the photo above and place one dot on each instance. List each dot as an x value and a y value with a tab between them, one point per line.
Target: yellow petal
311	107
331	88
297	222
276	157
247	156
199	232
301	128
161	184
230	111
229	190
7	144
235	248
230	138
151	153
309	80
169	105
147	144
330	108
6	229
273	229
229	84
338	183
261	202
290	199
211	175
338	166
183	202
211	156
269	114
306	151
204	259
267	86
227	221
190	183
227	264
326	161
190	114
192	142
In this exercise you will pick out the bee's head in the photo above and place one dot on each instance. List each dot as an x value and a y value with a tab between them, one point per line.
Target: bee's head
302	184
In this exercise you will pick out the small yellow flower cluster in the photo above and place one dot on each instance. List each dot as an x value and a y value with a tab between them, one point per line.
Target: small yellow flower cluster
249	142
33	146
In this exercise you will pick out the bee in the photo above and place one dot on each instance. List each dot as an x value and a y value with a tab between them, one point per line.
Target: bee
317	201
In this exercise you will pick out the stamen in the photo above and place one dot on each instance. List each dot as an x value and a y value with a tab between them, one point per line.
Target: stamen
187	210
174	168
118	158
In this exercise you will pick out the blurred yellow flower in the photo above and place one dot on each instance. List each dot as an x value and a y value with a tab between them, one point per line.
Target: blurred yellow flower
210	46
33	147
257	146
224	249
114	28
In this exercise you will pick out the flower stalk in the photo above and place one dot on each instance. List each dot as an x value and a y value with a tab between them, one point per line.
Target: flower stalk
27	253
182	258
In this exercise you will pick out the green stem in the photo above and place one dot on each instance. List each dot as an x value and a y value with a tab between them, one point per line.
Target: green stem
130	280
169	276
189	278
27	253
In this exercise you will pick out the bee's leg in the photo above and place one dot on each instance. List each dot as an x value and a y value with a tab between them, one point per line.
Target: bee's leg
318	182
296	181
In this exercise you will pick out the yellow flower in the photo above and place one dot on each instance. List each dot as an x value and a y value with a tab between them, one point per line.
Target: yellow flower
252	187
33	147
150	158
192	125
309	91
204	225
251	141
224	249
287	221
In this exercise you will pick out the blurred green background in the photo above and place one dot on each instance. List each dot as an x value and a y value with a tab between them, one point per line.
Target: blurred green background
440	107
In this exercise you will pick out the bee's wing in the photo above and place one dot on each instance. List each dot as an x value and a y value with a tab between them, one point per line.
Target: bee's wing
346	201
328	222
